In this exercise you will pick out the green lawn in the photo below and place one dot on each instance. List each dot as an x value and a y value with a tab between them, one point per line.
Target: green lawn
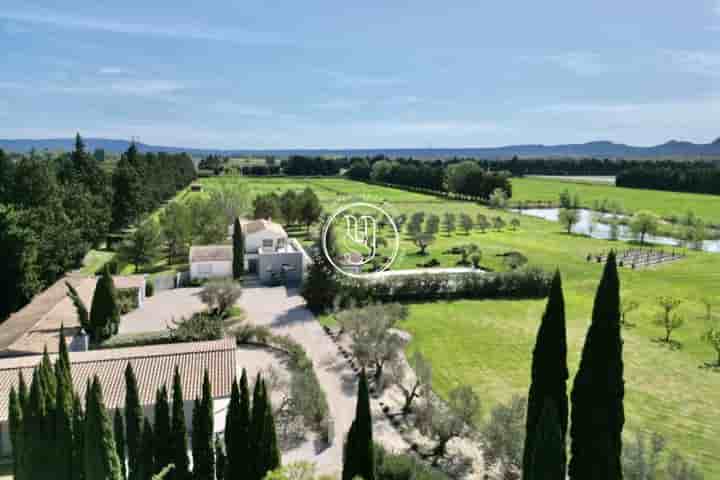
94	261
664	204
488	344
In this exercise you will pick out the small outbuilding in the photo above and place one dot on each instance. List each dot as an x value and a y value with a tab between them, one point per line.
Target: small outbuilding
211	261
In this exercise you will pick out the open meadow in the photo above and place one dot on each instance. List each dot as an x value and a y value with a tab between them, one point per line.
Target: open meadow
488	343
665	204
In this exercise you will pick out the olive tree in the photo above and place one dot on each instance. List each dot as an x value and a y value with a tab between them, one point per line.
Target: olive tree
627	305
668	318
220	296
498	198
504	436
712	338
568	217
423	241
411	386
644	223
374	344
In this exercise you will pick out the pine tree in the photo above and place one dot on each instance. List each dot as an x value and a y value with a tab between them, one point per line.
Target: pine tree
15	419
78	445
359	455
548	455
119	431
549	372
220	460
133	423
63	412
104	312
598	414
238	251
256	432
147	464
178	437
101	460
163	447
203	432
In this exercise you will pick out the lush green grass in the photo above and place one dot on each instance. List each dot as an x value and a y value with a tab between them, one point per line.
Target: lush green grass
94	261
488	344
664	204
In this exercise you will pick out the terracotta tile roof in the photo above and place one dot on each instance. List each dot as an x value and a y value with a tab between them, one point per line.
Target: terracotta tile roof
211	253
253	226
153	365
28	330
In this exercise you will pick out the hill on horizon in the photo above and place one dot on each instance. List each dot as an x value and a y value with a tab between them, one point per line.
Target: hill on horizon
602	149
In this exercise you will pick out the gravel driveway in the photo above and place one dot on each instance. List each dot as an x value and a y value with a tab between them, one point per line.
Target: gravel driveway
158	311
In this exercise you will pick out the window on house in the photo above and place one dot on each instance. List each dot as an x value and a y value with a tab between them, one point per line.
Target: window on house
267	243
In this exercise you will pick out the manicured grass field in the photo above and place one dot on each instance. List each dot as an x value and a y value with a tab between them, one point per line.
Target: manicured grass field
664	204
488	344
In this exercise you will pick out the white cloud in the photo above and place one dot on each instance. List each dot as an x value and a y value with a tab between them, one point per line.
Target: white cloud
584	64
187	31
701	62
114	71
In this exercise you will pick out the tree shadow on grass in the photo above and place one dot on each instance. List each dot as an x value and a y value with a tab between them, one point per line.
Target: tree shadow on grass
670	344
712	366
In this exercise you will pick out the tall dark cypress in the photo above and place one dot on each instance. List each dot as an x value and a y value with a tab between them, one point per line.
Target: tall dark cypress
547	457
133	423
101	460
35	431
220	460
271	454
163	447
78	445
256	431
549	371
203	447
49	387
238	251
233	438
178	436
63	413
104	310
15	419
359	456
119	430
598	414
147	464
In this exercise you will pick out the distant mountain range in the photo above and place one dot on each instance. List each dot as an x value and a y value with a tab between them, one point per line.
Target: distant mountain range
599	149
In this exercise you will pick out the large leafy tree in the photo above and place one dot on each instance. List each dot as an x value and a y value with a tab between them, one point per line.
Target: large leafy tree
549	374
176	226
19	257
127	182
309	208
598	414
143	246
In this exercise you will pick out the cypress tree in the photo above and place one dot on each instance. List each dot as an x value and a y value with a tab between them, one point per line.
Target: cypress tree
163	447
35	431
238	251
15	419
233	438
220	460
256	431
104	311
133	423
203	432
271	454
598	414
147	453
549	372
63	412
178	440
119	430
49	386
548	455
359	458
78	445
101	460
23	399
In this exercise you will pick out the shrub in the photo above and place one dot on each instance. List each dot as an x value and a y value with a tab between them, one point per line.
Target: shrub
398	466
127	300
200	326
137	339
149	289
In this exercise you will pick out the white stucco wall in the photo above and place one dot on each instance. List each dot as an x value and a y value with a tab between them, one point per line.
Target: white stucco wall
254	241
211	269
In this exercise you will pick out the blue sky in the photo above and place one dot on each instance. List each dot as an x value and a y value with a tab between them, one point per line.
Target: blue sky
292	74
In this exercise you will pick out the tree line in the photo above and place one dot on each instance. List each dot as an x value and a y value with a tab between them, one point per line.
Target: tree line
694	177
56	435
53	210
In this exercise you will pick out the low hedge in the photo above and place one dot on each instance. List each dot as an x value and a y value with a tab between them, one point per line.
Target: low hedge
523	283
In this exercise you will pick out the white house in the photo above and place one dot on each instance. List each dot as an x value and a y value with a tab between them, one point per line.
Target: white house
211	261
269	253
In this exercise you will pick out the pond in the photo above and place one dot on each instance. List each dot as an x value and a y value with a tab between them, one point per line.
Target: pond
602	230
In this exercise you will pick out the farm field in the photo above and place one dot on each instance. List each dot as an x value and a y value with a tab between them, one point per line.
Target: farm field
488	344
662	203
601	179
